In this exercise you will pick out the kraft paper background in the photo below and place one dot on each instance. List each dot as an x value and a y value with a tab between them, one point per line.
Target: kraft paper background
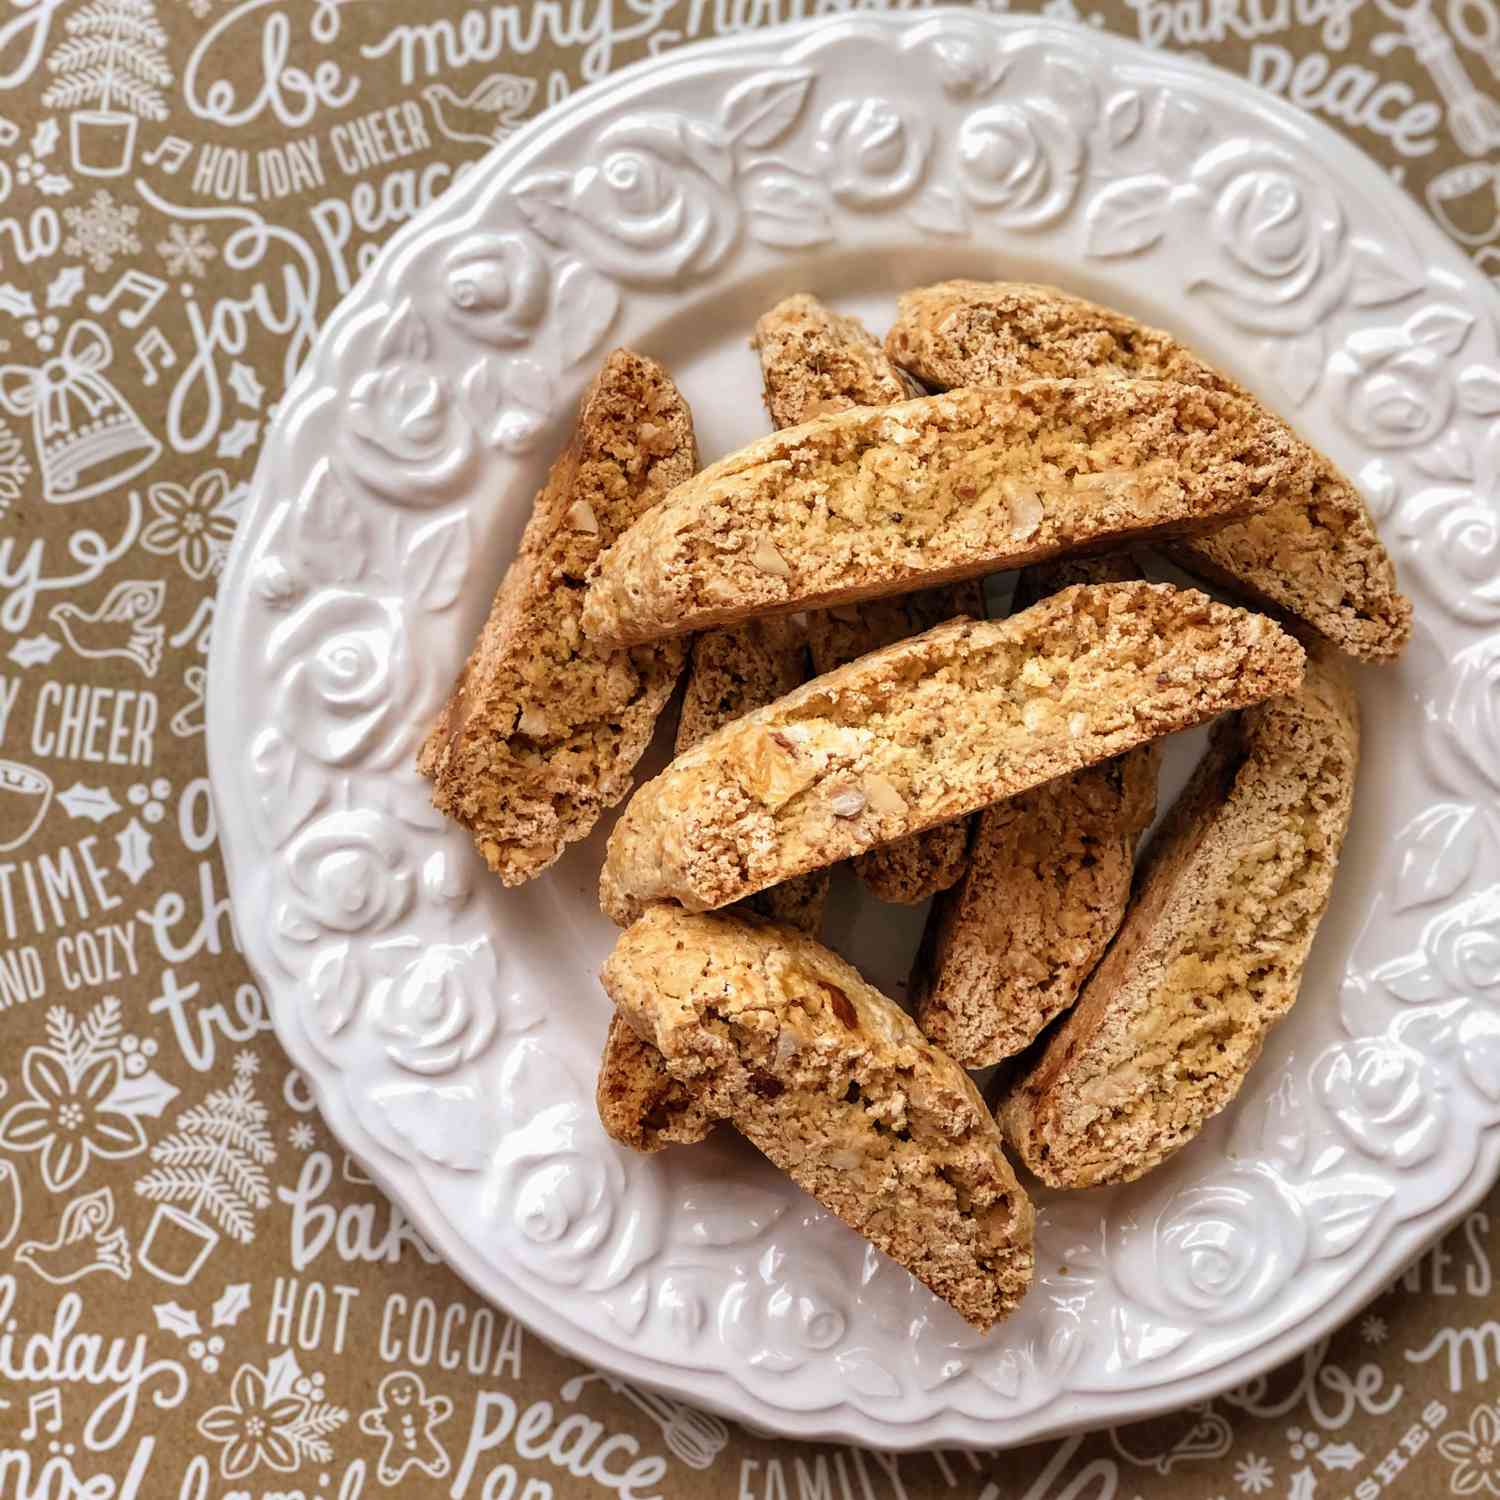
200	1294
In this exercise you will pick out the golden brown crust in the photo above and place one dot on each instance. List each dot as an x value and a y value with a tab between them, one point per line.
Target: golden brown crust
767	1029
640	1104
1318	557
544	727
882	501
1228	901
733	670
934	728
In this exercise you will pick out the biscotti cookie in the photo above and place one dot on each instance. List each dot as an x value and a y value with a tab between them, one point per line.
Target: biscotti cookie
882	501
814	362
732	670
931	729
1048	878
640	1104
1319	558
544	727
910	870
834	1083
1227	903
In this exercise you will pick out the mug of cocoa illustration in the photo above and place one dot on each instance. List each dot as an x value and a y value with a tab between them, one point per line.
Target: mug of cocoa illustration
24	797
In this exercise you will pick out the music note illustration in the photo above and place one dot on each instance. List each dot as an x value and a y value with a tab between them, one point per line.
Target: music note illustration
154	342
147	290
172	152
49	1401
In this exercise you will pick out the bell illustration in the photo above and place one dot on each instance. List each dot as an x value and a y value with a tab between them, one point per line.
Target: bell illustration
88	440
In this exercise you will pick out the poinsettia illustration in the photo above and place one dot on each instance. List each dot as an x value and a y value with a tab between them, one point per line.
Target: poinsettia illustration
194	522
71	1110
253	1427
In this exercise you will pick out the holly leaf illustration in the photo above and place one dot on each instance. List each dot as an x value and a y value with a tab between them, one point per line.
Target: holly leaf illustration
65	286
147	1094
96	803
238	438
33	651
244	382
1303	1485
1340	1456
135	852
16	301
172	1317
54	183
44	138
230	1303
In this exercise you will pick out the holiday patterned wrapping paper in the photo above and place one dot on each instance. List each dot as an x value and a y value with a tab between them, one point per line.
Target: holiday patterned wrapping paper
200	1293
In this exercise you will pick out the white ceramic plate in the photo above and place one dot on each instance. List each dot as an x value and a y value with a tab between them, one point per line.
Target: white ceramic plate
452	1029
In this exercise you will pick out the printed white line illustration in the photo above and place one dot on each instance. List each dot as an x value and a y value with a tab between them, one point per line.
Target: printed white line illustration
170	153
87	437
14	468
114	59
123	625
188	720
1473	117
696	1437
214	1163
1462	183
10	1203
25	794
96	803
277	1418
144	290
135	851
76	1105
485	115
101	229
406	1416
48	1401
1480	36
88	1240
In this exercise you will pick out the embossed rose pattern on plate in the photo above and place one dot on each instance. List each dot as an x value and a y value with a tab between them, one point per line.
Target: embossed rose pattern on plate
452	1030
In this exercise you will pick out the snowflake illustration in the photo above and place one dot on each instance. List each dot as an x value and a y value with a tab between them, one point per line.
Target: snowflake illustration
102	230
301	1136
186	250
1373	1330
1253	1474
246	1065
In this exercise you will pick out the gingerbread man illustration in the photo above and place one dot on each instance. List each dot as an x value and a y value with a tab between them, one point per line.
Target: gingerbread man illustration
405	1416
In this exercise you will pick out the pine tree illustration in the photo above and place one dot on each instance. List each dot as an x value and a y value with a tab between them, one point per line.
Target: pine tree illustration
115	55
215	1161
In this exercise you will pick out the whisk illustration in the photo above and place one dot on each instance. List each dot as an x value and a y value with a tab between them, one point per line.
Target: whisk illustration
695	1437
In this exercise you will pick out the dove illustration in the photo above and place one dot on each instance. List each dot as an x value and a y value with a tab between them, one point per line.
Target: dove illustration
88	1239
124	625
485	115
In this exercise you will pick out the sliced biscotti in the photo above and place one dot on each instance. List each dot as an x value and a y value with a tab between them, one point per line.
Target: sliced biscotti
834	1083
910	870
931	729
1319	558
732	670
1006	949
544	726
869	502
1228	900
815	361
640	1104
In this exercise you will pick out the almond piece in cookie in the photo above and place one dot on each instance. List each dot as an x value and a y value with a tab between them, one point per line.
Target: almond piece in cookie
934	728
732	670
765	1028
1318	557
1005	951
544	726
1227	903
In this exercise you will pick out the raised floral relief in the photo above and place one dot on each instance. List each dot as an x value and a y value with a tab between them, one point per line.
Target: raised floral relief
871	152
346	678
1390	389
401	433
786	1312
497	287
1023	161
1464	722
1453	546
1280	257
347	872
442	1011
1210	1248
654	203
1384	1098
